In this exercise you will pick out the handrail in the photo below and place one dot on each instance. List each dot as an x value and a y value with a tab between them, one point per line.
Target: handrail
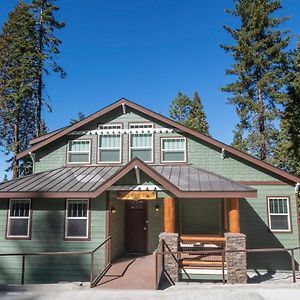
223	252
94	281
61	253
105	241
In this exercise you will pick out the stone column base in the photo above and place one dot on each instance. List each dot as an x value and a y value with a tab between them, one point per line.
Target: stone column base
236	261
170	265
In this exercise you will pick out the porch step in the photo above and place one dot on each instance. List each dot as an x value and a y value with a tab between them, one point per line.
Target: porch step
130	272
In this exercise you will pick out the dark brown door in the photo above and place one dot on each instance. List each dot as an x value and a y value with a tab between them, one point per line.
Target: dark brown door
136	226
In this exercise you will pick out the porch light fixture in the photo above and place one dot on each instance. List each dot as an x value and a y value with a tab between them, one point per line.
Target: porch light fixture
113	210
157	207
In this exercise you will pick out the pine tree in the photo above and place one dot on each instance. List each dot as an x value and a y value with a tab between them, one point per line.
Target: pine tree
196	117
180	108
17	73
80	117
261	70
47	46
288	151
189	112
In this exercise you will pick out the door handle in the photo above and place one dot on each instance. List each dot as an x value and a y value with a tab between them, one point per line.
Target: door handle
145	228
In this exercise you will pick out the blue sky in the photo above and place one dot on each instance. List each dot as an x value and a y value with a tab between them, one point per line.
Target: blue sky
146	51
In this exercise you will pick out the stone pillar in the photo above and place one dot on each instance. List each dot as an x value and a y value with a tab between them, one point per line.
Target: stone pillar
236	261
170	265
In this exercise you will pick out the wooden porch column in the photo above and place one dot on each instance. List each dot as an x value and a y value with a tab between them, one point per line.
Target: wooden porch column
169	215
234	215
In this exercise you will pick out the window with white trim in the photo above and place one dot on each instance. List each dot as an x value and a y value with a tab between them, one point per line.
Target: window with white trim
141	141
79	151
173	149
19	218
110	147
279	214
77	219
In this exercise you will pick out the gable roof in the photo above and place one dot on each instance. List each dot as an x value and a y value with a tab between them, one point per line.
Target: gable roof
237	153
184	181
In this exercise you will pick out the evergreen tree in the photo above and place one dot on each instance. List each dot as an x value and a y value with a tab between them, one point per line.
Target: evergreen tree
261	70
180	108
17	73
80	117
189	112
197	118
47	47
288	150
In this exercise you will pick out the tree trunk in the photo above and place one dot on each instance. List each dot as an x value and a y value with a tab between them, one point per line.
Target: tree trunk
16	147
39	128
262	129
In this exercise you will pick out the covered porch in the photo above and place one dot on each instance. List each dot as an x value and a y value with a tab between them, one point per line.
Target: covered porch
147	208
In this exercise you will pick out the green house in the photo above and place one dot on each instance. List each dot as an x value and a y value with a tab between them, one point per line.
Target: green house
130	173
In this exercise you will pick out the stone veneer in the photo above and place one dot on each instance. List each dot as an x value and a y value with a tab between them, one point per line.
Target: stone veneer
170	265
236	261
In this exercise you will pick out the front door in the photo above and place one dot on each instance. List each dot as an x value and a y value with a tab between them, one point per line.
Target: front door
136	226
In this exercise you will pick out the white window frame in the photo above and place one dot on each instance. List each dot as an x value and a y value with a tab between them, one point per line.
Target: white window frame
168	150
288	214
107	126
152	139
70	152
9	218
87	218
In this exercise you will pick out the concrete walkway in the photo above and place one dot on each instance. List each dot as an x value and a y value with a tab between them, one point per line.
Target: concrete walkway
130	273
181	291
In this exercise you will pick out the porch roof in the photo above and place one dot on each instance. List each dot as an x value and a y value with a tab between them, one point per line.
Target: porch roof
90	181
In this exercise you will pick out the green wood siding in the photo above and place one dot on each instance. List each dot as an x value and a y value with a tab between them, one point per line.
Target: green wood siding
117	222
155	223
254	223
48	236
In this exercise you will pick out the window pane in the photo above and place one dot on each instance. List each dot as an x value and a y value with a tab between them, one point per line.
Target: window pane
279	222
77	228
173	156
18	227
109	141
285	204
79	157
109	155
173	144
141	140
143	154
271	206
19	208
79	145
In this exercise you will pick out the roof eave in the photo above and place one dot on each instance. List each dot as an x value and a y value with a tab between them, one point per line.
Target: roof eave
170	122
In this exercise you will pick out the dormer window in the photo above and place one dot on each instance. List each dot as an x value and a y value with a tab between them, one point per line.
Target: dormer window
110	147
79	152
141	141
173	149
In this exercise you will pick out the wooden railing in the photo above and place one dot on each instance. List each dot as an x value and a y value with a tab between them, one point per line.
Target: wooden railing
105	247
223	252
